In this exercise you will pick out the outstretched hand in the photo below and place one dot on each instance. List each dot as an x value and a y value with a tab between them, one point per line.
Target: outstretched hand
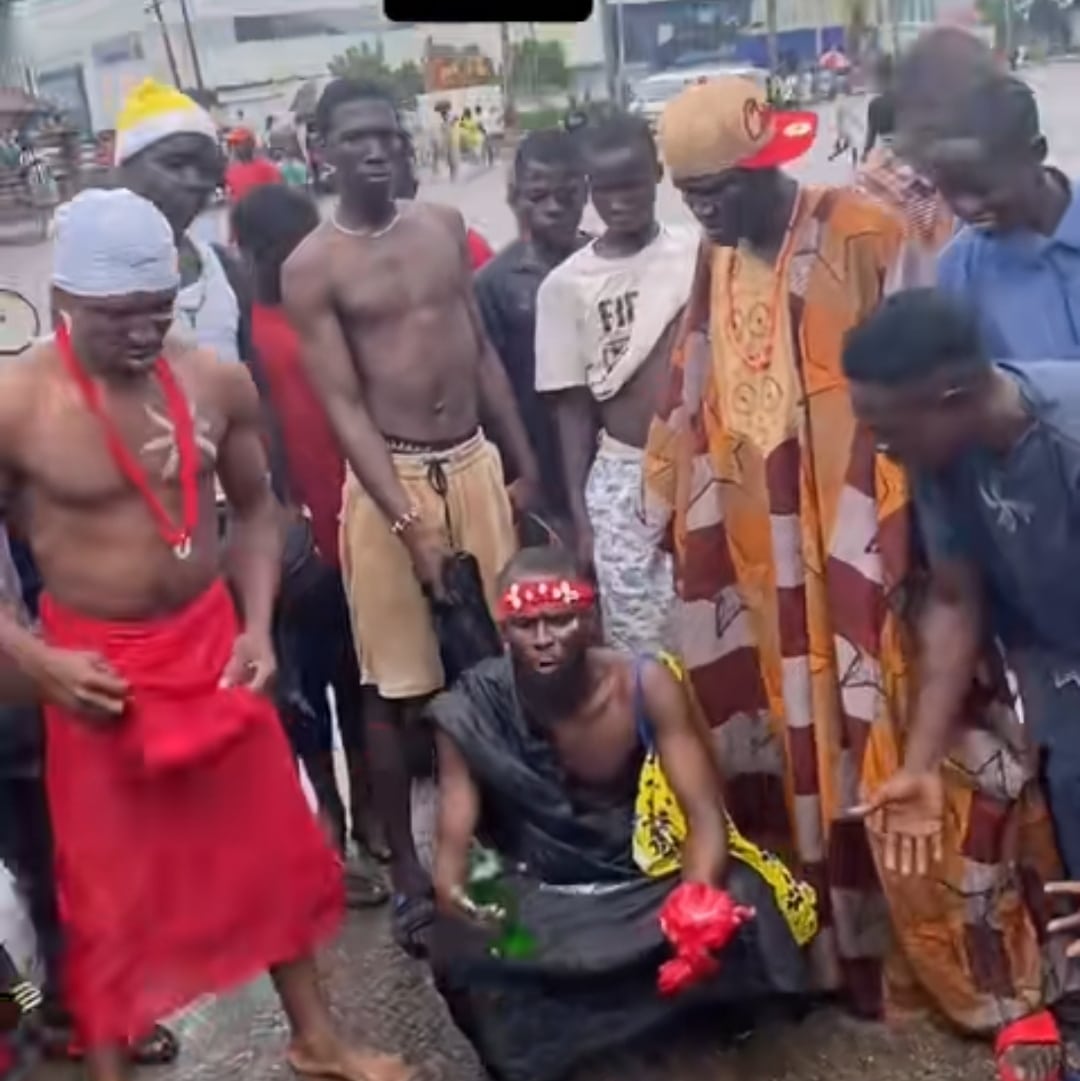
907	813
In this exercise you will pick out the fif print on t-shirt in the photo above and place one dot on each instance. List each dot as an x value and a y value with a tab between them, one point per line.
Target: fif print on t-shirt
616	321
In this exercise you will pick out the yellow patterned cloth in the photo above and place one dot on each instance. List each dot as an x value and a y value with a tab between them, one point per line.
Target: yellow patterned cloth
660	830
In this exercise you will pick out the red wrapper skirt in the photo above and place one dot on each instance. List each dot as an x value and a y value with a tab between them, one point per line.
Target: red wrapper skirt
187	858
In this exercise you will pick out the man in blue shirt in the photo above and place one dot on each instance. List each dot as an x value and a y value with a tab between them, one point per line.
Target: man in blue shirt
1017	261
994	454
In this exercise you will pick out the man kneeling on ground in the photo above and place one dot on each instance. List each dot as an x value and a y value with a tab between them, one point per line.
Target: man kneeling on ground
586	771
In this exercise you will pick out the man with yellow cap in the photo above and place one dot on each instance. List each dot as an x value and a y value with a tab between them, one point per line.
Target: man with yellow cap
791	543
168	151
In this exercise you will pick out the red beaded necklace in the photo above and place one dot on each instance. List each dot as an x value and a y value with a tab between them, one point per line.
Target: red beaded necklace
178	537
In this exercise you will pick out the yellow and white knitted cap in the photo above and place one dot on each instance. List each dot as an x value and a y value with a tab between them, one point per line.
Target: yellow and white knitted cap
153	112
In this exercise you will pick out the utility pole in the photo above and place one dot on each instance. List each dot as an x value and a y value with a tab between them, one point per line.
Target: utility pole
196	67
602	9
772	38
153	7
507	49
1009	30
620	52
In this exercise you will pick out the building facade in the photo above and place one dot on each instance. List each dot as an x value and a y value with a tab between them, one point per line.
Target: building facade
255	54
14	63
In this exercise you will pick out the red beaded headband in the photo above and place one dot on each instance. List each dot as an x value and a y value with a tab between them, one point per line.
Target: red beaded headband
530	598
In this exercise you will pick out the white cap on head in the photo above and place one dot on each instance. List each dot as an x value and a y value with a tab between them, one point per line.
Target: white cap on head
113	243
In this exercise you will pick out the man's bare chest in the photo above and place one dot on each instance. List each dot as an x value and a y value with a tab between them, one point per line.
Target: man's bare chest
400	284
602	755
68	455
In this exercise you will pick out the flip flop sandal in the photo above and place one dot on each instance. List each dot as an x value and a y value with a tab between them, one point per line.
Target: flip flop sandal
159	1047
412	919
1036	1030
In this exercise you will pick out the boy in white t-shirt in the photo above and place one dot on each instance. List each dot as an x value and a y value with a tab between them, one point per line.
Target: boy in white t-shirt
605	323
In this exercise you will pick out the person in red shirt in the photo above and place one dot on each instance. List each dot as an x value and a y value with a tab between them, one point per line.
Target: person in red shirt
247	170
479	249
268	224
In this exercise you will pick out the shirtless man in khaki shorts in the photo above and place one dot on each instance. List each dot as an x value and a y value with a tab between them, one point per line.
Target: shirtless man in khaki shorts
382	298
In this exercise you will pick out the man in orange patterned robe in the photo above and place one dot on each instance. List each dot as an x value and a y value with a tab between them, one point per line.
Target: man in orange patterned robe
794	574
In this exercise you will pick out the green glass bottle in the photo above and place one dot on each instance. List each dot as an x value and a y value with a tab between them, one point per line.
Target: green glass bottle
487	887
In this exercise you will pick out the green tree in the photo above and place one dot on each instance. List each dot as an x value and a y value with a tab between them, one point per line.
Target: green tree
368	63
539	65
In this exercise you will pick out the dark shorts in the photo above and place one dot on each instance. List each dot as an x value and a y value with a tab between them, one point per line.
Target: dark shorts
1050	692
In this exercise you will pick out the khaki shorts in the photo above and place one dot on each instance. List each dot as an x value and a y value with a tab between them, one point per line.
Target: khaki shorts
391	618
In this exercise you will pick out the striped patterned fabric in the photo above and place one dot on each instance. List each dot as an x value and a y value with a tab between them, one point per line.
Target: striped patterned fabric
791	540
888	178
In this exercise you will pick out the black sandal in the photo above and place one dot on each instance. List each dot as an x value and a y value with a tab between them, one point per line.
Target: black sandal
413	917
159	1047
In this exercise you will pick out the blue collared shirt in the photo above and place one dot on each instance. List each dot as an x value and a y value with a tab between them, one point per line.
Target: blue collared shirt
1025	287
1015	517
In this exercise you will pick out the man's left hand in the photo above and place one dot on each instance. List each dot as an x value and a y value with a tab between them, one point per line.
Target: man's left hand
252	664
524	494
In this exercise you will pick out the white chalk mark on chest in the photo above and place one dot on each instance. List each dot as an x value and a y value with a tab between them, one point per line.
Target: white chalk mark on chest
166	442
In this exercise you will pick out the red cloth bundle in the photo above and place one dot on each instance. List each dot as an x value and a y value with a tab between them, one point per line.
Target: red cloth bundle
698	920
187	858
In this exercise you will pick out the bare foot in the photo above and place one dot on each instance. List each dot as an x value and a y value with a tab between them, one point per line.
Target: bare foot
339	1062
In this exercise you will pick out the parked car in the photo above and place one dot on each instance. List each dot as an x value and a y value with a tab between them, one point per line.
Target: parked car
651	94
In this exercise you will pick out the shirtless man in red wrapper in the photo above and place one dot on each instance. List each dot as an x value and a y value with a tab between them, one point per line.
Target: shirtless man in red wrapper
187	858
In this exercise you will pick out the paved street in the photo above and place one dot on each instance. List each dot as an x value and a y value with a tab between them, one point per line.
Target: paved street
480	193
380	995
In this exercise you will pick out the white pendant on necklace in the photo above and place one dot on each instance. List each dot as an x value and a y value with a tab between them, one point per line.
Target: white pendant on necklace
182	548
